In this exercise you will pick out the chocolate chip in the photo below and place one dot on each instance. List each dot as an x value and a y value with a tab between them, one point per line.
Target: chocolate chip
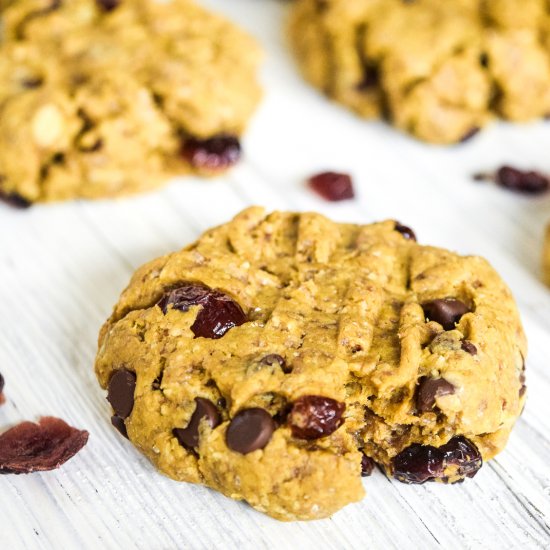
250	430
407	232
189	437
276	359
315	416
468	347
421	463
429	389
367	466
484	60
216	153
219	313
14	200
332	186
108	5
2	398
120	425
30	447
447	311
472	132
121	392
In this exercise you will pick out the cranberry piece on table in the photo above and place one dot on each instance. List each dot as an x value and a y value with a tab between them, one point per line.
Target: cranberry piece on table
30	447
527	182
332	186
216	153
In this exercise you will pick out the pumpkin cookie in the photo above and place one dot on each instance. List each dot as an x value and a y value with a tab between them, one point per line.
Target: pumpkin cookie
281	356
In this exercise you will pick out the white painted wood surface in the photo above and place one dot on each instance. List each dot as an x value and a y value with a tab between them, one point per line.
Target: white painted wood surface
62	268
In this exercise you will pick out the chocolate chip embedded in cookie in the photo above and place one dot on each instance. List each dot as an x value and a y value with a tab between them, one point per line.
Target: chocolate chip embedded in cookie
159	94
281	356
447	311
205	410
438	70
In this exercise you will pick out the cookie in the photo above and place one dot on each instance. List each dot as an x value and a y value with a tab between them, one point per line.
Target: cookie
438	70
103	98
280	356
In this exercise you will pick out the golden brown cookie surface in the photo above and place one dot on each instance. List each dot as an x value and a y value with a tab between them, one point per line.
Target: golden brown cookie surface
106	98
267	359
439	70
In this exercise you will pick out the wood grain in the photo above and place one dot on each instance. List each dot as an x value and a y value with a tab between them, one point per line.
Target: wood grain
63	266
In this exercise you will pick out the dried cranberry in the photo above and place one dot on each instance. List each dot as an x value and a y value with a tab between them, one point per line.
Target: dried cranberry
421	463
216	153
407	232
332	186
30	447
315	416
367	466
14	200
219	313
472	132
528	182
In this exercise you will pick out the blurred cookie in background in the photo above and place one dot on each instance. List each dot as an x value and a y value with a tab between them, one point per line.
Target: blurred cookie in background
438	70
108	98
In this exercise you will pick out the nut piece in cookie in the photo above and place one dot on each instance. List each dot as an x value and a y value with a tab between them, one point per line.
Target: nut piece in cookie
282	356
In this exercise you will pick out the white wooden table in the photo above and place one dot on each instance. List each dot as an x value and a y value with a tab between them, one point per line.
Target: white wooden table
62	268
